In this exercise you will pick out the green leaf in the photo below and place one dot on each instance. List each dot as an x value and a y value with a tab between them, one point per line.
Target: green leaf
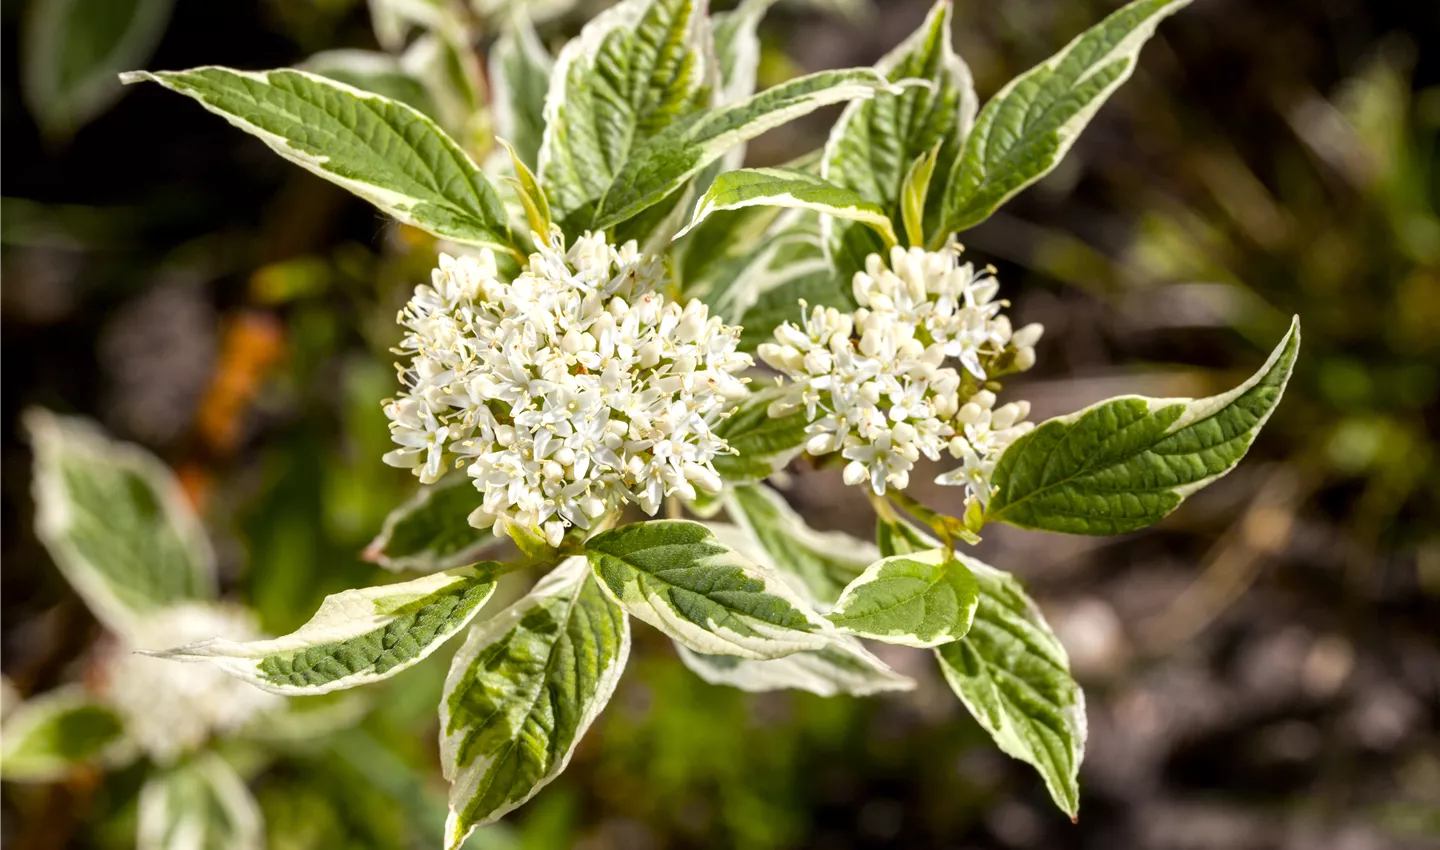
873	145
898	537
1126	463
522	692
824	561
1025	130
843	667
45	738
357	637
761	444
783	303
1014	677
676	576
734	282
200	804
737	55
520	76
383	151
446	64
432	531
673	156
532	197
116	522
779	187
918	599
71	51
914	194
737	48
633	71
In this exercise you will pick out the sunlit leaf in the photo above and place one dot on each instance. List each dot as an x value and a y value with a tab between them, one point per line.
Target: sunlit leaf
523	690
1025	130
676	576
873	145
357	637
920	599
381	150
1014	677
778	187
666	161
1126	463
634	70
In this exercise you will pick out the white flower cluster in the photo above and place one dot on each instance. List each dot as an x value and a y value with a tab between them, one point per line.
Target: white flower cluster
566	392
171	709
875	385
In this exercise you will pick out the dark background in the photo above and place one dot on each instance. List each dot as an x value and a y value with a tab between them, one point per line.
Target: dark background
1262	669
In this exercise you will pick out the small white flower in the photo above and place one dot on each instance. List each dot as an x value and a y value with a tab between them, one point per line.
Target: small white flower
876	386
567	391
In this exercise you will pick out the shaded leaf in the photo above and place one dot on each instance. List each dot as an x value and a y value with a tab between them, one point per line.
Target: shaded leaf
45	738
116	522
72	50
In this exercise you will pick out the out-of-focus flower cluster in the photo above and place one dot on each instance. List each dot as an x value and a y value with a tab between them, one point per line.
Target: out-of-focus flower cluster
172	709
566	392
876	385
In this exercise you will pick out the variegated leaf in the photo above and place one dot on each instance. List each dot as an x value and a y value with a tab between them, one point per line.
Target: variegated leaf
200	804
357	637
761	443
824	561
375	72
666	161
520	71
432	531
733	278
676	576
45	738
379	149
921	599
1025	130
845	666
873	145
1014	677
1126	463
116	522
634	70
779	187
523	690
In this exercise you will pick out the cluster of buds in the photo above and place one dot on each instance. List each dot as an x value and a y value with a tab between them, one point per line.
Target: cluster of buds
566	392
876	386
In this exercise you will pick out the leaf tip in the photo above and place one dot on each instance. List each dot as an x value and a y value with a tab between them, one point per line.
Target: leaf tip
128	78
